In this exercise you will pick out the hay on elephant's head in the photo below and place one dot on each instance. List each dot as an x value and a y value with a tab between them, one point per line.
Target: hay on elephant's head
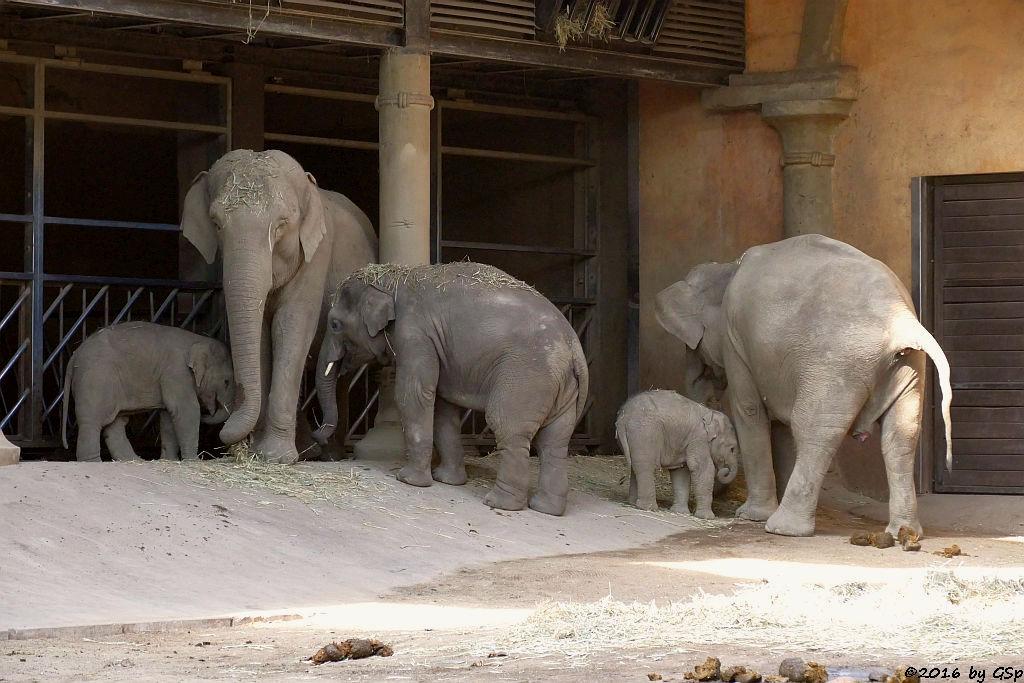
390	276
242	468
246	185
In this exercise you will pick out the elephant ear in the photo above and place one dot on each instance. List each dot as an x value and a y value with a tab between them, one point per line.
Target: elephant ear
314	224
678	309
377	309
198	361
196	224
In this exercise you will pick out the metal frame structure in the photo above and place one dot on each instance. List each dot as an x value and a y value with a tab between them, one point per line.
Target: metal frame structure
42	304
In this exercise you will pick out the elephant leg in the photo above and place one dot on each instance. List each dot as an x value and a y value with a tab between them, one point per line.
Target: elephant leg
509	417
819	422
754	435
415	392
185	421
645	451
87	447
169	448
117	440
552	442
448	439
901	428
703	489
681	490
783	456
633	488
291	335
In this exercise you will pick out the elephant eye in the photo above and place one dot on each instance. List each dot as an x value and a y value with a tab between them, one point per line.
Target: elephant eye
335	325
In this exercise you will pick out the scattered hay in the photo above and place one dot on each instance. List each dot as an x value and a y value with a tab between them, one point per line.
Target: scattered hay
253	28
243	470
353	648
390	276
929	615
601	23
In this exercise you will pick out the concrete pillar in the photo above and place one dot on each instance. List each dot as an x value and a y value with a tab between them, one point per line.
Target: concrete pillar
807	129
9	453
404	105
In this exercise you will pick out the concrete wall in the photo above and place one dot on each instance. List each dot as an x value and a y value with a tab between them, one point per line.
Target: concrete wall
940	93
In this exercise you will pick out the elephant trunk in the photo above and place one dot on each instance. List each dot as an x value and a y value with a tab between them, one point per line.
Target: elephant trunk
220	416
246	285
726	473
327	389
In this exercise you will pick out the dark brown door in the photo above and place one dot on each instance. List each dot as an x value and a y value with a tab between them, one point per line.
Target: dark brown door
979	321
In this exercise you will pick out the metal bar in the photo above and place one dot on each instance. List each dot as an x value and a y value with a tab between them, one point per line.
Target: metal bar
81	318
572	301
498	246
362	415
118	70
142	282
38	185
19	277
50	408
326	142
64	291
15	217
14	410
196	307
517	156
15	111
322	94
51	220
132	298
14	357
139	123
14	308
155	315
359	373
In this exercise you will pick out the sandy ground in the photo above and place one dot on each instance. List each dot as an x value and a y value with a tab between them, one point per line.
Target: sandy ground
434	573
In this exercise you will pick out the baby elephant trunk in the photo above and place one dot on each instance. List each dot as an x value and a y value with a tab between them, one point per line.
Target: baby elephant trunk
726	473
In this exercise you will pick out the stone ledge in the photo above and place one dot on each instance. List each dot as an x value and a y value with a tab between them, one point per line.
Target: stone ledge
107	630
747	91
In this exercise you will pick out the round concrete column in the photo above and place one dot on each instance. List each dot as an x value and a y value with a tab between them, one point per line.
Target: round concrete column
404	105
807	129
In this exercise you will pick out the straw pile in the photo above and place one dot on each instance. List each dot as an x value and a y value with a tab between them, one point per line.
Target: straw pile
389	276
242	469
570	27
932	614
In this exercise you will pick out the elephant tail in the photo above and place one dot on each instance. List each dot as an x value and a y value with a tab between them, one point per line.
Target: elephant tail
582	373
64	402
922	340
620	436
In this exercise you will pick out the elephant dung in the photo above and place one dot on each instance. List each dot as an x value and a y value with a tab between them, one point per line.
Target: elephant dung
952	551
902	677
710	670
883	540
908	538
353	648
795	669
740	674
862	538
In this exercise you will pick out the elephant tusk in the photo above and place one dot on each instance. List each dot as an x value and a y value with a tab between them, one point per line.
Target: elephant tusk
327	372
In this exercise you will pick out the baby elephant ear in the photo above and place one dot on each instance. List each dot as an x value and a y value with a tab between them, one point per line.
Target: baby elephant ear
678	309
198	361
377	309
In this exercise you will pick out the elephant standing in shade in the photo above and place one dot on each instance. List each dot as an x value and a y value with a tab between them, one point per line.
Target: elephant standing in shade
466	335
137	367
286	245
663	429
817	335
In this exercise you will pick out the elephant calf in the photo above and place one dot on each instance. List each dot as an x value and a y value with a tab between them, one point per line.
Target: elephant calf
465	335
137	367
663	429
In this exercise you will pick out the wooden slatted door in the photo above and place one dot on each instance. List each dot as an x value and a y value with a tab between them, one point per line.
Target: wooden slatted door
979	321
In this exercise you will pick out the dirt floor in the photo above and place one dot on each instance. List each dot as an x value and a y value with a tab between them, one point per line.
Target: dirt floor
605	593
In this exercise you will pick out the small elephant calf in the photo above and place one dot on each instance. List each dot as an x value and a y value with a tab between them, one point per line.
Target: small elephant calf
136	367
663	429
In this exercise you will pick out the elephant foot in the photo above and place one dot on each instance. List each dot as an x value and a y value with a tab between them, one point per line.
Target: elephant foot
895	524
414	476
704	514
452	475
786	523
548	504
649	505
276	449
504	500
756	512
680	509
122	457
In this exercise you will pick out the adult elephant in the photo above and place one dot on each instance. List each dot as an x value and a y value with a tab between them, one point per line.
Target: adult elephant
286	245
819	336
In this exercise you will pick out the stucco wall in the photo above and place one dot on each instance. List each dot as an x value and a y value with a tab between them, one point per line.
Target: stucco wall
941	92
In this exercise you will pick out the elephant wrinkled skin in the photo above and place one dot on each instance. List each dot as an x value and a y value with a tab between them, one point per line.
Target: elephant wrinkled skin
467	335
816	335
663	429
286	245
137	367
